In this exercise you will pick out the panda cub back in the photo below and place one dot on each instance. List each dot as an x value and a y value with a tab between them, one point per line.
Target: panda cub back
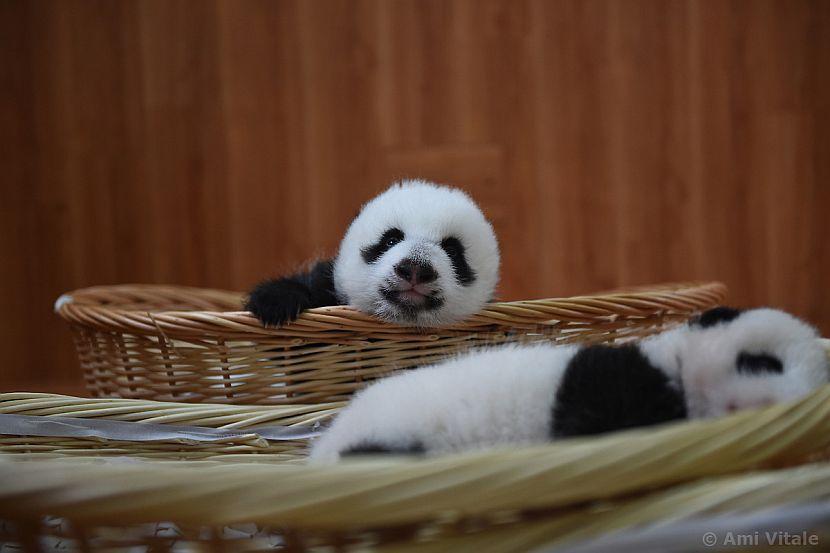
514	394
478	400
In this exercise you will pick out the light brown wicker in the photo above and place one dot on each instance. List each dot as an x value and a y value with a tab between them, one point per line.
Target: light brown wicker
194	345
228	417
506	500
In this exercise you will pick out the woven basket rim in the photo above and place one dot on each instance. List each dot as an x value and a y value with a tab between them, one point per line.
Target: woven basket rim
97	307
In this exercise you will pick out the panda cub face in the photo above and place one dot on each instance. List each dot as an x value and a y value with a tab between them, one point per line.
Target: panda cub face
418	254
733	360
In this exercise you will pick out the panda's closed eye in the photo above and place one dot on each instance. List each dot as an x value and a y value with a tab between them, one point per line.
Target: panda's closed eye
758	363
464	274
386	241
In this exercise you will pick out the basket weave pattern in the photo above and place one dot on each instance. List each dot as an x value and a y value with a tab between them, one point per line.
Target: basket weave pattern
226	417
183	344
500	500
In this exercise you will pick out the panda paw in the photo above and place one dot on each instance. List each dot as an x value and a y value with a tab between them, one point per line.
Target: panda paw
279	301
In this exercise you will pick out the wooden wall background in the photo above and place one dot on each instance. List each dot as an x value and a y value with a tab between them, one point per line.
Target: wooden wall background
214	143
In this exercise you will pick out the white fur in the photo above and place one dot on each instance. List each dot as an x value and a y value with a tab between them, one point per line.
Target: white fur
504	395
705	360
426	213
481	399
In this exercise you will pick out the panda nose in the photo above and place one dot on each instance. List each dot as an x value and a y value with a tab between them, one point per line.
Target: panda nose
415	272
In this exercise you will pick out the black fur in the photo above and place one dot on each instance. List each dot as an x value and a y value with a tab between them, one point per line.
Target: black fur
464	274
373	448
278	301
608	388
387	240
758	363
716	315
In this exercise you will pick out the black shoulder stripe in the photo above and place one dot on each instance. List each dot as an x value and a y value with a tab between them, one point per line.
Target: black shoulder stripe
608	388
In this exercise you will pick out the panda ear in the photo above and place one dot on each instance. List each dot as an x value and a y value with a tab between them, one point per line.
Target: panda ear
716	315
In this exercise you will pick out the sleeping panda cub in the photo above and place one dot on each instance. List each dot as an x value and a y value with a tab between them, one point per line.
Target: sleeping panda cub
418	254
720	362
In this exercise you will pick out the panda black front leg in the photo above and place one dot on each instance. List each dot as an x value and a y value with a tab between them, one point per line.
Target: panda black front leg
281	300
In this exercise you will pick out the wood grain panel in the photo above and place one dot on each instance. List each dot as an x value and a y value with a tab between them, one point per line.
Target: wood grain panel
216	143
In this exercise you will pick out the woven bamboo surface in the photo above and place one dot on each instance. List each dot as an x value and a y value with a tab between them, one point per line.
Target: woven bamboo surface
228	417
194	345
505	500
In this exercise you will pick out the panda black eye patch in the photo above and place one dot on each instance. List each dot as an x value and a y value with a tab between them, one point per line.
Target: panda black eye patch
464	274
386	241
758	363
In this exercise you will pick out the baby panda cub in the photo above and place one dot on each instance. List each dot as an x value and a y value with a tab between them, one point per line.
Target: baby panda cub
721	361
418	254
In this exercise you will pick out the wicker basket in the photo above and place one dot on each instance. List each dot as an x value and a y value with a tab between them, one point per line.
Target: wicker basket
194	345
243	493
71	494
245	446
